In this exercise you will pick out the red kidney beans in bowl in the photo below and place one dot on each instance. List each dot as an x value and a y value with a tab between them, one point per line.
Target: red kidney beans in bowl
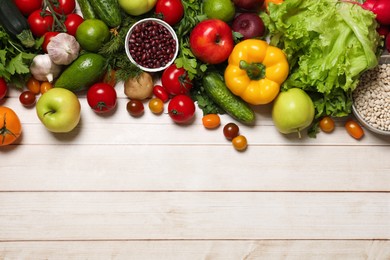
151	44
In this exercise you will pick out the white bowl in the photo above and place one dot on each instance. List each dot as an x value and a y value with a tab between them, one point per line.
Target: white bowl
172	32
384	59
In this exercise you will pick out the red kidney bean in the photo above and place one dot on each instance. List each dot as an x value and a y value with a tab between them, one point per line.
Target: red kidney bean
151	45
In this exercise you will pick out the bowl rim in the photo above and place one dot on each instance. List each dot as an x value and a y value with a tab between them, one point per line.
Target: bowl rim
170	29
383	59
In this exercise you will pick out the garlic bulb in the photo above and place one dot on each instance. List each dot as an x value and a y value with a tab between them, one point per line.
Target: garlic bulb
63	49
44	69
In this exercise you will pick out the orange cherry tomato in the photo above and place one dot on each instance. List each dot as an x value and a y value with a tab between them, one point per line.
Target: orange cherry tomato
34	85
354	129
240	143
156	105
45	86
110	77
211	121
10	126
327	124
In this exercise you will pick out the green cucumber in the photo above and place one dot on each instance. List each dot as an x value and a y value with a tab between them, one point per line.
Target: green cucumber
82	73
87	9
108	11
233	105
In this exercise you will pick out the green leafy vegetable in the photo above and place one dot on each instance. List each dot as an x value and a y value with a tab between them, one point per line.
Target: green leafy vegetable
193	14
15	60
329	44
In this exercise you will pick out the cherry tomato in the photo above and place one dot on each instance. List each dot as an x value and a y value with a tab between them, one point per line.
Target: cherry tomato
27	98
161	93
3	88
45	86
10	126
26	7
135	107
327	124
64	7
181	109
354	129
175	80
240	143
33	85
211	121
39	24
230	131
72	22
156	105
47	37
101	97
171	10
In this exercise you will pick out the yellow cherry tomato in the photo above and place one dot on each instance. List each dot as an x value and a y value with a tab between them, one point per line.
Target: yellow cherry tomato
240	143
156	105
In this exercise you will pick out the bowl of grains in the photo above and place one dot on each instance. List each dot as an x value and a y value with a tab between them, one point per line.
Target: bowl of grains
371	98
151	44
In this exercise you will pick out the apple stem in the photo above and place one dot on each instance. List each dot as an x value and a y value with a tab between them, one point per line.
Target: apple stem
255	71
299	134
48	112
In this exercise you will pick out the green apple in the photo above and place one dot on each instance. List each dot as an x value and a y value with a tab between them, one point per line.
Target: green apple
59	110
137	7
292	111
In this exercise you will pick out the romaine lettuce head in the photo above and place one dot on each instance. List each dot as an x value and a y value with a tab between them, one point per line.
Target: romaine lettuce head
329	44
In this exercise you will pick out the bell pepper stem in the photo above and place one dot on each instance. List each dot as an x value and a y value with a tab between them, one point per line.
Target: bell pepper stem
255	71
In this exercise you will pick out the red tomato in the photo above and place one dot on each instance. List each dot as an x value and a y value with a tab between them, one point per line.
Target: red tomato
175	80
64	7
27	98
171	10
72	22
101	97
39	25
3	88
47	38
181	109
161	93
26	7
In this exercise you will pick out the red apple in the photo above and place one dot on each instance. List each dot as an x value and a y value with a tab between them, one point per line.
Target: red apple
250	25
211	41
252	5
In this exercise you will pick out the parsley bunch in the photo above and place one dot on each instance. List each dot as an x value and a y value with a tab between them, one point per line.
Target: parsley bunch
15	60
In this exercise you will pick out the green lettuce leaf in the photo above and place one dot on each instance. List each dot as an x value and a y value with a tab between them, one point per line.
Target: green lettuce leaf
329	44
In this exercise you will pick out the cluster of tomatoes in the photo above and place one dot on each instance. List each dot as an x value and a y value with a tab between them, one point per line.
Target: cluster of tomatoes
353	128
174	90
41	19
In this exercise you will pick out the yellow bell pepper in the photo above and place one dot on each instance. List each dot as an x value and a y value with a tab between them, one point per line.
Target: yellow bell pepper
255	71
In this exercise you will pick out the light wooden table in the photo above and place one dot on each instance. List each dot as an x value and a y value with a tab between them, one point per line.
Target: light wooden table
119	187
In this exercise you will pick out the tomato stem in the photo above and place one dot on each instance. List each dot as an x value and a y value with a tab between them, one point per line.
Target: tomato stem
4	131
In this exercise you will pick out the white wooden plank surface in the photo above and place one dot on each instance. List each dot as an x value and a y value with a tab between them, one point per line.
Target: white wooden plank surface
193	215
208	250
193	167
